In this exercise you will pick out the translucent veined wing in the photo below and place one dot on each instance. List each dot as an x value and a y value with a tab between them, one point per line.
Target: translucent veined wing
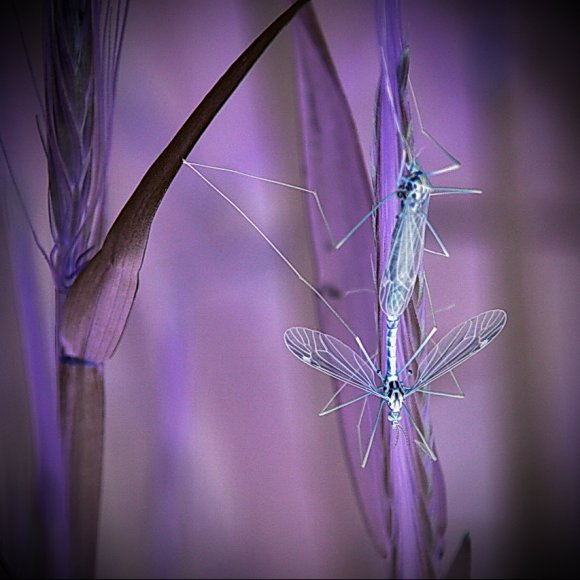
329	355
403	263
459	344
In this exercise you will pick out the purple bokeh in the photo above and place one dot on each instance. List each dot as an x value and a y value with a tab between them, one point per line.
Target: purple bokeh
216	462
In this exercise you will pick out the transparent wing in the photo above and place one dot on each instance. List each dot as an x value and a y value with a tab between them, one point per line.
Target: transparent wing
459	344
403	263
330	356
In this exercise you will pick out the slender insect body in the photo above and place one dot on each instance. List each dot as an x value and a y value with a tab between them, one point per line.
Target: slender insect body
392	328
402	268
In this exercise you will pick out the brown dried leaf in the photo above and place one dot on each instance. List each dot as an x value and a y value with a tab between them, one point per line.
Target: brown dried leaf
99	302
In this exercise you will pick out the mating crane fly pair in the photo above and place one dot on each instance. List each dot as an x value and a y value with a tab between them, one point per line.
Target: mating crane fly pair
329	355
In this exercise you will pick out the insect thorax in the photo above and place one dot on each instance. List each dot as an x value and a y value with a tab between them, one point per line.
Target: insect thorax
415	189
394	396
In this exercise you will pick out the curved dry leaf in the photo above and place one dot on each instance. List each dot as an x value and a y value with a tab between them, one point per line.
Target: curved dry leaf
99	302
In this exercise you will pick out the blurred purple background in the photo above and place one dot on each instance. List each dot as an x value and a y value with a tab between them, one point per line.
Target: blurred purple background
216	462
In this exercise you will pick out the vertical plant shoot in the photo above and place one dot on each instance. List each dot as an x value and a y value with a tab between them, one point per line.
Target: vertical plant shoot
82	42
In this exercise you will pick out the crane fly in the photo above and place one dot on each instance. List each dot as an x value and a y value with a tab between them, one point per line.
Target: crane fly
334	358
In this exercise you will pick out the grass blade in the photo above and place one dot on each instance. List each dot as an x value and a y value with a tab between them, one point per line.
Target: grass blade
335	168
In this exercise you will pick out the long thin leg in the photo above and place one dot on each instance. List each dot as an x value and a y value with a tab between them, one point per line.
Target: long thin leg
441	394
359	291
359	429
373	433
421	347
459	395
444	252
439	191
371	212
335	244
432	308
423	443
287	262
434	311
455	163
326	410
366	354
429	299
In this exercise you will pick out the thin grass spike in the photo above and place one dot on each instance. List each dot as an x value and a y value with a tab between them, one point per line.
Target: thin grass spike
80	71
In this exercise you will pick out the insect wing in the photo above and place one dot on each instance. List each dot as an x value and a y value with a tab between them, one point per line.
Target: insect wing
459	344
403	263
330	356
